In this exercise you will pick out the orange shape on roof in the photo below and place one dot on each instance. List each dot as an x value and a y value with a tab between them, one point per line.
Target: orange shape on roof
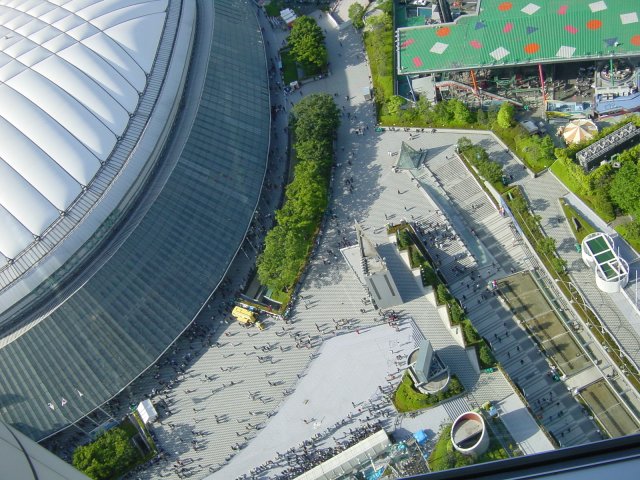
635	40
505	6
443	31
594	24
531	48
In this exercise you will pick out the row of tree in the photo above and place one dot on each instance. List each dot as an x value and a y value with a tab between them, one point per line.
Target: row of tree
307	45
378	40
315	120
479	158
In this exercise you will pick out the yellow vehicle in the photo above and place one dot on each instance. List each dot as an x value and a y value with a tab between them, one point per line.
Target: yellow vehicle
246	317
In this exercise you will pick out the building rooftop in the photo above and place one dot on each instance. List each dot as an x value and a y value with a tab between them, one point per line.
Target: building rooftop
99	336
601	250
466	432
521	32
369	257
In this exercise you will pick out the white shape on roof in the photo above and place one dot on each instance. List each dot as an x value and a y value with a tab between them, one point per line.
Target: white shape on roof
139	34
46	176
89	93
66	110
11	245
70	76
23	201
102	73
49	135
118	58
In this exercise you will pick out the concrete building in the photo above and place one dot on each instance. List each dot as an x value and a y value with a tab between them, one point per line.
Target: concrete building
604	149
611	271
469	434
428	372
379	282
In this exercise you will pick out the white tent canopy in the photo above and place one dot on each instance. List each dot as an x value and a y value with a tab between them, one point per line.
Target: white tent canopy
147	411
578	131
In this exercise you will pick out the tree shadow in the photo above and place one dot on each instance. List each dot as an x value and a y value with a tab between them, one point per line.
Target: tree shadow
539	204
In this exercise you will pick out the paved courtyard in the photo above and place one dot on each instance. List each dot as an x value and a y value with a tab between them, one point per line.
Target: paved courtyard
230	399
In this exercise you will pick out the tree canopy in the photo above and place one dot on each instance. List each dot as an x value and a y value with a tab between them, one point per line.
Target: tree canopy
110	454
315	121
307	44
625	188
316	117
356	12
506	115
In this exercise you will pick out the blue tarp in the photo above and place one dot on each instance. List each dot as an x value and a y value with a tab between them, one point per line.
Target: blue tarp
376	474
629	103
420	437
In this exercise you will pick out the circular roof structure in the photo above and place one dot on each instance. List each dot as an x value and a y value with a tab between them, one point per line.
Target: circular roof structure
71	76
579	130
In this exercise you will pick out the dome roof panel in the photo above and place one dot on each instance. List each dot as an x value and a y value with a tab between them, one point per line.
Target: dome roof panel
46	176
24	202
68	22
24	5
139	37
8	40
40	8
113	18
104	46
59	42
67	92
34	56
49	135
44	35
96	9
13	235
22	46
102	73
10	70
31	27
82	31
15	20
4	59
87	92
66	110
55	15
77	5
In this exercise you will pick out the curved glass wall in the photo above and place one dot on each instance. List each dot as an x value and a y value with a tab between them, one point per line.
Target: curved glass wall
141	299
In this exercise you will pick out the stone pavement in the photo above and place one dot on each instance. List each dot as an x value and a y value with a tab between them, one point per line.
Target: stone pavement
492	251
349	370
327	283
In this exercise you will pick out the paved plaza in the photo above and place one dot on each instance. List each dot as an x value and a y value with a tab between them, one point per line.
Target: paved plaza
231	399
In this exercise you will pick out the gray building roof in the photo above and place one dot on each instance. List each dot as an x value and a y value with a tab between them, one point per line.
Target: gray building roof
24	459
136	303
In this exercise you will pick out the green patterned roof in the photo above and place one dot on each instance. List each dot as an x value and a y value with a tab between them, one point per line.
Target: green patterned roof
517	32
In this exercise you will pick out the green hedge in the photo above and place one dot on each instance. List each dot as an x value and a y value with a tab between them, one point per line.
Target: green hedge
408	399
315	120
378	42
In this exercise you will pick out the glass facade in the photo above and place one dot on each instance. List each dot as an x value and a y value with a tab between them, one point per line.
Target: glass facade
143	297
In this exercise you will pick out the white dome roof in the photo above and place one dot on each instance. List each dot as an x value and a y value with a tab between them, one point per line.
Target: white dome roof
71	72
